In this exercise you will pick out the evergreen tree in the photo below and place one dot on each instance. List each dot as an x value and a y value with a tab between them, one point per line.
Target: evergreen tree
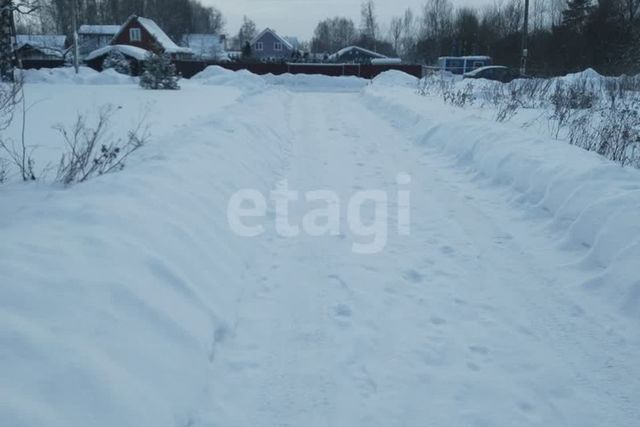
246	50
118	62
159	73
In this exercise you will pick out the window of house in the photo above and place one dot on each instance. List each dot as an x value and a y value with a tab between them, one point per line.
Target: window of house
135	35
259	46
277	46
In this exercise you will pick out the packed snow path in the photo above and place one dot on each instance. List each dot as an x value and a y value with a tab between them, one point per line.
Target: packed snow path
462	323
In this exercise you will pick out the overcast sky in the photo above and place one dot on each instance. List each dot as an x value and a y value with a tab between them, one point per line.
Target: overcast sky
299	17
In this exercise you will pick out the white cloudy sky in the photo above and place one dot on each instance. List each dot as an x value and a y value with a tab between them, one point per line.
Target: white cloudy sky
299	17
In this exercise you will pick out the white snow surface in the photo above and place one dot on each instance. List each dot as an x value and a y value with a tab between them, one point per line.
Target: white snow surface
67	75
127	300
132	51
589	73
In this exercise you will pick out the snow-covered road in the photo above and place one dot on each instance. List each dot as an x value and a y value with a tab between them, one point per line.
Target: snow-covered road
462	323
129	301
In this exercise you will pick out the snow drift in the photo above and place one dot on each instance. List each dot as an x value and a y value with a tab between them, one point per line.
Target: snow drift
216	75
67	75
116	294
591	202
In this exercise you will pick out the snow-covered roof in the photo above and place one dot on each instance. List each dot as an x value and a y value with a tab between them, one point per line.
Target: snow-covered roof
103	30
358	48
127	50
269	30
154	29
470	58
47	40
48	44
161	37
386	61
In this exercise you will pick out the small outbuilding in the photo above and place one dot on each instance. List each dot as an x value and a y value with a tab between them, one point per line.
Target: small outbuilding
355	55
92	37
41	51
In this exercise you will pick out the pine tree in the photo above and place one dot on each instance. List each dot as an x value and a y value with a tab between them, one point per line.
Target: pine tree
246	51
159	73
118	62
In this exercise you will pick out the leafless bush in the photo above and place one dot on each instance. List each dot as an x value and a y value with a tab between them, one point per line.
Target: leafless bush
532	93
508	108
429	85
613	131
93	151
459	98
619	133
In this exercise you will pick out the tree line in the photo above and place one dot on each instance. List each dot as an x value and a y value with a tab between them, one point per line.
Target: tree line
176	17
564	36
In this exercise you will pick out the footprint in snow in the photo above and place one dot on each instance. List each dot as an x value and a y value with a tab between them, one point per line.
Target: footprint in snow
447	250
479	349
473	367
438	321
413	276
342	311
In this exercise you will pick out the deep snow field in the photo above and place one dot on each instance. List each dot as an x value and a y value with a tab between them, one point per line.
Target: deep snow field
129	301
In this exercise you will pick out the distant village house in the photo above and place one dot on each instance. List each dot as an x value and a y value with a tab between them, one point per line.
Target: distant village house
92	37
269	46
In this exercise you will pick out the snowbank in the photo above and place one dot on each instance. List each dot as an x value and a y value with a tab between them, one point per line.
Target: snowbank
589	73
67	75
316	82
396	78
219	76
589	201
116	294
216	75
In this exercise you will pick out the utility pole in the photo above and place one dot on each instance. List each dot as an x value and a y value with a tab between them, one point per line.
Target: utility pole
525	35
74	24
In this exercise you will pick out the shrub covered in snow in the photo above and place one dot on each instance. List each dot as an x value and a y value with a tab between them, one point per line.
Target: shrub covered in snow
117	61
159	73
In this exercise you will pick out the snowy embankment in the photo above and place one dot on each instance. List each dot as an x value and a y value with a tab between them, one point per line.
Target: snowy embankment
115	294
591	202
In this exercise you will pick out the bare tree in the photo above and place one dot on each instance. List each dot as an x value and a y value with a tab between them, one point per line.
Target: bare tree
369	23
396	30
437	19
333	34
246	32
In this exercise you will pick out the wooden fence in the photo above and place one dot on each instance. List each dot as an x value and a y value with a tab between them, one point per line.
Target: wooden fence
189	69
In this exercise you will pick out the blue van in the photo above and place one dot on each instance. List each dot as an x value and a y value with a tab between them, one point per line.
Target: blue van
463	64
